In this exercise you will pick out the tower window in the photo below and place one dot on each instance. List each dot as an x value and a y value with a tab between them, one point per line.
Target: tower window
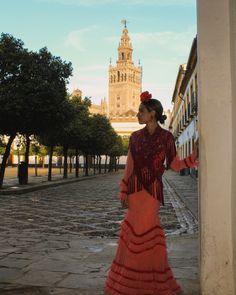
122	55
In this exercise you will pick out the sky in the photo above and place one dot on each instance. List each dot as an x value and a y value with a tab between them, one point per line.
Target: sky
87	33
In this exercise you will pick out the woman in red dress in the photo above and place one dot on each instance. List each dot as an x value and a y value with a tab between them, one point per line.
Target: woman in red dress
140	266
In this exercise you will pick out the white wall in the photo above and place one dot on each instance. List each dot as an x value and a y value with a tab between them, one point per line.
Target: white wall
216	68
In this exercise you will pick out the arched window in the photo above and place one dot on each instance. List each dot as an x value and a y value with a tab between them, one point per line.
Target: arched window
122	55
118	76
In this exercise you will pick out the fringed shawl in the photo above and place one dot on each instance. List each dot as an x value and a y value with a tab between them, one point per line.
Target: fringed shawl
149	152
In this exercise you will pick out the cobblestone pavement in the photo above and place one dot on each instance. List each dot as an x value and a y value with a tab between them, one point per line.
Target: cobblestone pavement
186	187
62	240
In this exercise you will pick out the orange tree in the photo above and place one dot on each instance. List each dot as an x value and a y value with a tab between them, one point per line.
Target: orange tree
32	92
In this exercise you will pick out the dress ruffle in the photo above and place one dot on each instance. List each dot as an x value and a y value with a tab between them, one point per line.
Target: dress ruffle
141	264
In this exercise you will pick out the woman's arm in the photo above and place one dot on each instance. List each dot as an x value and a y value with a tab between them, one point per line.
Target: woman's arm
188	162
174	162
124	180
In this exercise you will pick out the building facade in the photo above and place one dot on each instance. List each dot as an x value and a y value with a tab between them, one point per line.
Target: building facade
184	116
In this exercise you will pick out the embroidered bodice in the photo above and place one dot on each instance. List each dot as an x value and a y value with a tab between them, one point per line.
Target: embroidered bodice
148	157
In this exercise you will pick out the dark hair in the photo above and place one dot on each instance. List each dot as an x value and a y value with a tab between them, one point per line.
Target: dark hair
155	105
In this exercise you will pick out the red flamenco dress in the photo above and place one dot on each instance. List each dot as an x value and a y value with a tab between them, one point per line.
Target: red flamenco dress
140	266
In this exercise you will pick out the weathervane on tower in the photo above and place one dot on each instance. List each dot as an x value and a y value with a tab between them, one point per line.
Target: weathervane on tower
124	22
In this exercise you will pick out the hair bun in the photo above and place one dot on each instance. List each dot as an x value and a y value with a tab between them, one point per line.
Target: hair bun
163	118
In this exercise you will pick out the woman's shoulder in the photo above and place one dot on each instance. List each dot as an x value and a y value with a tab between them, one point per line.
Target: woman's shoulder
137	133
168	133
164	132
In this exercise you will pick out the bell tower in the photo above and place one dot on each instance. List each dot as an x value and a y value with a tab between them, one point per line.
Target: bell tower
125	80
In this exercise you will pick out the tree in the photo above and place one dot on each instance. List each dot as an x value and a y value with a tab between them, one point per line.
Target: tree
2	145
116	151
103	137
53	137
32	91
76	134
11	59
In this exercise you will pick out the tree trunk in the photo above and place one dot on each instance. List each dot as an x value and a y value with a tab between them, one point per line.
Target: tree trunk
110	164
70	164
118	163
97	163
86	164
5	157
65	152
94	164
100	164
76	162
35	165
50	163
106	165
27	159
115	163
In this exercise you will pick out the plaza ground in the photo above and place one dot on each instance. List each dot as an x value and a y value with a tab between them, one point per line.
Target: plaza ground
61	240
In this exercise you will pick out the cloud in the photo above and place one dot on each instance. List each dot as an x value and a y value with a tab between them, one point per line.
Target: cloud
124	2
169	39
77	38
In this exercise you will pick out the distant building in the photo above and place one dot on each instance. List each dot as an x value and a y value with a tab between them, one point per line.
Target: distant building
124	88
99	109
77	92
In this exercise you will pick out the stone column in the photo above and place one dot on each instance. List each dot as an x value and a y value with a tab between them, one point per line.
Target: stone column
217	127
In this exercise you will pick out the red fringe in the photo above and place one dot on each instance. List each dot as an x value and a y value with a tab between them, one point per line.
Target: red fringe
155	188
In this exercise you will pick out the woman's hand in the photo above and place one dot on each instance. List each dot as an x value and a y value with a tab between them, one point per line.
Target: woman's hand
125	202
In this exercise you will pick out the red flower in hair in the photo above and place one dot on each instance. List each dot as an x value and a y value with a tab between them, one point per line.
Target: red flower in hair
145	96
